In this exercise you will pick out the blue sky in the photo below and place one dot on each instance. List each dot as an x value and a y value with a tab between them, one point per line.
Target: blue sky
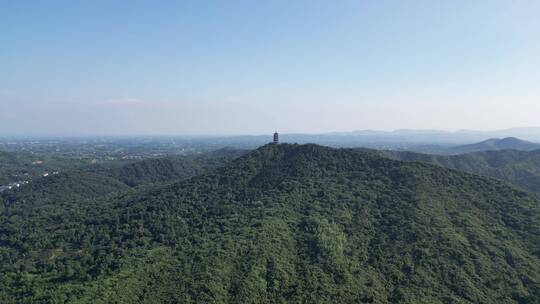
249	67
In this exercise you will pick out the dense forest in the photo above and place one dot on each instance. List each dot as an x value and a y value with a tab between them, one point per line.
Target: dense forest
16	166
173	167
98	181
520	168
495	144
281	224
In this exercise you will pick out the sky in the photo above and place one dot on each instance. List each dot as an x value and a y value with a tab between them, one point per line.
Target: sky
252	67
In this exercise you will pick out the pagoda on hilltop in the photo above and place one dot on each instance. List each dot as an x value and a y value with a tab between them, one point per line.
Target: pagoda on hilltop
276	138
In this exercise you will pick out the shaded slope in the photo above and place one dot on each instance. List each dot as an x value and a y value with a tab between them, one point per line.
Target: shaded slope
173	168
287	224
520	168
156	170
493	144
66	186
86	184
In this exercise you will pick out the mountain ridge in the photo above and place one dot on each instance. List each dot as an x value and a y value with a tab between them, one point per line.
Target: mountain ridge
507	143
288	223
520	168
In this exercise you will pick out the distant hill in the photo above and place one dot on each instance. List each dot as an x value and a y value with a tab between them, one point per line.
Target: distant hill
521	168
97	182
424	140
66	186
18	166
508	143
283	224
173	168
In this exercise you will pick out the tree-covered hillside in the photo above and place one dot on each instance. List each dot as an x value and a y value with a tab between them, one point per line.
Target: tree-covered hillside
282	224
96	182
494	144
173	167
17	166
521	168
62	187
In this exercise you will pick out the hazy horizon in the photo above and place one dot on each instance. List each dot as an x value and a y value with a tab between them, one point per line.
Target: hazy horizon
244	67
525	132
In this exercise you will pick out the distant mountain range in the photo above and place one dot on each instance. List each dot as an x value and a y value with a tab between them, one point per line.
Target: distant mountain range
531	133
418	140
430	141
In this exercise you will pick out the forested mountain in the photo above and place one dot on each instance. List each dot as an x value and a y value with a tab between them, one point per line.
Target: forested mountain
282	224
94	183
16	166
493	144
68	186
173	167
521	168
